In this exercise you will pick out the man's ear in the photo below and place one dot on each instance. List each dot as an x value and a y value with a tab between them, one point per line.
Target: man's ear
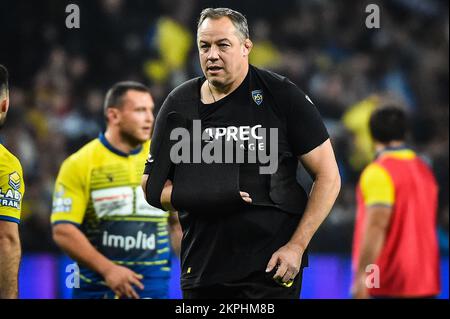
4	105
112	114
247	47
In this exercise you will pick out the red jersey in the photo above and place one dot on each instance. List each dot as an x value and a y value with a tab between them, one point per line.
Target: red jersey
409	260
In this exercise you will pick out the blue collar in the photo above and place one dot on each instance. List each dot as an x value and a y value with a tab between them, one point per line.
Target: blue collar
108	145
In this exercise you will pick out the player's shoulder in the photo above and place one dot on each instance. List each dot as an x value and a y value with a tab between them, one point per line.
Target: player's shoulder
8	161
84	155
271	76
186	91
274	80
282	87
374	171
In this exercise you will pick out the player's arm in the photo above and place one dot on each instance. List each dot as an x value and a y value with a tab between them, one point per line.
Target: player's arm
165	194
321	164
157	163
374	233
174	224
309	141
378	194
10	253
176	233
12	189
120	279
69	205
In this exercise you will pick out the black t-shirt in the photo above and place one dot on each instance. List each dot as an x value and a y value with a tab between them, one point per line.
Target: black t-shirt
218	248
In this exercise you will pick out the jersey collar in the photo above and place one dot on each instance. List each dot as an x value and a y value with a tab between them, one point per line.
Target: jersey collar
392	150
108	145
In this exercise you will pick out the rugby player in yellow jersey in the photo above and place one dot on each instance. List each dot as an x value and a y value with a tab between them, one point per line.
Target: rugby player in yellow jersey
11	193
100	217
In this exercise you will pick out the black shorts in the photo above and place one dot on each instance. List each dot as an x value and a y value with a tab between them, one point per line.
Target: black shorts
258	285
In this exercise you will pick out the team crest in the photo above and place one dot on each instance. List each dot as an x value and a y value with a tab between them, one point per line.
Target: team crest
14	181
257	96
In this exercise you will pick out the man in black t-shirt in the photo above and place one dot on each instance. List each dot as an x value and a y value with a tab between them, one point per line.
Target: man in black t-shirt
246	225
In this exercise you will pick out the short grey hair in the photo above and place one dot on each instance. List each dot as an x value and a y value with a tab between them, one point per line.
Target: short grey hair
237	18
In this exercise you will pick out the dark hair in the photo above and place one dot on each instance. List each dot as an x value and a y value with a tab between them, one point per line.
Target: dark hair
388	123
238	19
117	91
3	80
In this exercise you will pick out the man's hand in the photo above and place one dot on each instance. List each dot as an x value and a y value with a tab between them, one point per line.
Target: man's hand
121	280
166	196
288	258
359	289
246	197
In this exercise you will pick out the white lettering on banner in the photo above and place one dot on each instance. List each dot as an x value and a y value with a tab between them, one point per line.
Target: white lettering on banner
140	241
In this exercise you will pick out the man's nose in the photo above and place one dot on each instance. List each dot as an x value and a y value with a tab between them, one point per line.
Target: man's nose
213	53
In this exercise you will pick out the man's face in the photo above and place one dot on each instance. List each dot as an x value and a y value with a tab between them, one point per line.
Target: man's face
135	117
223	55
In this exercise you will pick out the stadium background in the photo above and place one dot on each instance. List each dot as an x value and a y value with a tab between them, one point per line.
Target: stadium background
58	78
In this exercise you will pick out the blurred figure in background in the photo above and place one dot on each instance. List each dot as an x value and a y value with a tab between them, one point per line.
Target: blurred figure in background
100	217
11	193
396	221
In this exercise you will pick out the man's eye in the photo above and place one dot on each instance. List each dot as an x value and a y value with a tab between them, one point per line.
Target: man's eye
222	45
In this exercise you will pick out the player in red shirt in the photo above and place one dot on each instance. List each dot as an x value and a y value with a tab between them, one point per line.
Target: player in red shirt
395	248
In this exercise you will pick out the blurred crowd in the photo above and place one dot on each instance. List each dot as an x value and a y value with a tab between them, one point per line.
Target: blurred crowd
59	77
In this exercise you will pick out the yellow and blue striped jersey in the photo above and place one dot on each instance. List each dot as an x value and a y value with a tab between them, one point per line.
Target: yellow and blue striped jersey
99	189
12	186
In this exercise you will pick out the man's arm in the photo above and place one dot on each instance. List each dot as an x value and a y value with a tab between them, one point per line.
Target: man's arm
374	233
120	279
165	194
10	253
174	224
175	232
321	164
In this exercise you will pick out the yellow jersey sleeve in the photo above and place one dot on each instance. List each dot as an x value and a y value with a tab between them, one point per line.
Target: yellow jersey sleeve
377	186
70	196
12	189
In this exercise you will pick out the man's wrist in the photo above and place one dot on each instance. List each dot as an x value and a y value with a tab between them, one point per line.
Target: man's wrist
361	274
105	267
297	246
